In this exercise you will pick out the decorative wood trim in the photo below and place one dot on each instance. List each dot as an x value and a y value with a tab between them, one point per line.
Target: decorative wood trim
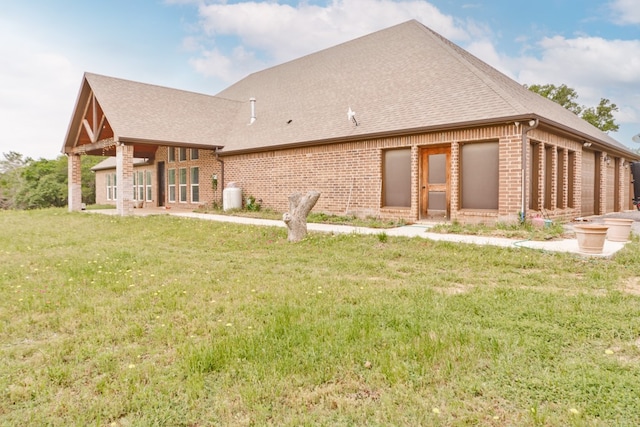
99	145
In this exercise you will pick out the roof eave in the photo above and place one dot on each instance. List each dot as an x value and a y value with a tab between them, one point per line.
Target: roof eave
167	143
569	132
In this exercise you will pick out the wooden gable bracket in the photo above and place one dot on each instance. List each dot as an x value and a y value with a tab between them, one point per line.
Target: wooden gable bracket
98	145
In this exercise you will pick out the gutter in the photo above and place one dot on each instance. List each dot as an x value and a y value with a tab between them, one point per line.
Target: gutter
532	124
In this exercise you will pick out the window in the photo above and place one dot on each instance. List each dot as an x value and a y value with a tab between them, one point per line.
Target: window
195	155
115	188
183	185
149	193
182	154
135	185
396	181
172	185
479	175
195	185
140	185
110	187
171	154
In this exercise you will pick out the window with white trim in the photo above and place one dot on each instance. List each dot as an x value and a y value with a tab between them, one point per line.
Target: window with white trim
171	180
171	154
141	185
183	185
182	154
110	186
195	155
195	185
148	186
135	186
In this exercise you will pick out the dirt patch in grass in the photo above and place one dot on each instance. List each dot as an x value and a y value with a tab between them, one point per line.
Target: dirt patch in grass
631	286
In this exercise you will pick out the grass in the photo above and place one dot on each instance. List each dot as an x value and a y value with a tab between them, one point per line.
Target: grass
314	217
161	320
512	231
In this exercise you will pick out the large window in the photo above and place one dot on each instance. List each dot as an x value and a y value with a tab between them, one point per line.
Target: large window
183	185
140	186
396	181
135	185
172	185
148	187
111	186
195	185
479	175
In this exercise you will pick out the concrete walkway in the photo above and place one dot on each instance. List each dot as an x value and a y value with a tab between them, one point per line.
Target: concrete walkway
414	230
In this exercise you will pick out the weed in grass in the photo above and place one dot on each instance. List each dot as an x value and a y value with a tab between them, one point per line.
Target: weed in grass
173	321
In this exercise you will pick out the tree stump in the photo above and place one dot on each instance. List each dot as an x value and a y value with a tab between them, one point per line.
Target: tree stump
296	218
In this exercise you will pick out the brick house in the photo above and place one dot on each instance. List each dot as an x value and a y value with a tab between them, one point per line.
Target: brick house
400	123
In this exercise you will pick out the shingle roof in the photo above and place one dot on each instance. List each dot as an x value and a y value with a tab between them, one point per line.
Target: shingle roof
405	77
144	112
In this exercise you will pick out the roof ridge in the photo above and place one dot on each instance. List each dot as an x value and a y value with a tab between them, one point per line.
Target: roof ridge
470	61
88	74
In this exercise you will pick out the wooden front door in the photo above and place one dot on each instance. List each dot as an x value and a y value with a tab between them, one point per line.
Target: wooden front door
435	177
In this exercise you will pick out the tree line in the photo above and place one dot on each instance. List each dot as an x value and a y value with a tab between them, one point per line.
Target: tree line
26	183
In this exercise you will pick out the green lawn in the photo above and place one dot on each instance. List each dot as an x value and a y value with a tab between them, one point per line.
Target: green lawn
172	321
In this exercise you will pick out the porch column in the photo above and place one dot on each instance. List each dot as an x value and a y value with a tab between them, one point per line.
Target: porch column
124	179
74	186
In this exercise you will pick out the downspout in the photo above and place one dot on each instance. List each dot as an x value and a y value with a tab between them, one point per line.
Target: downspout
221	174
532	124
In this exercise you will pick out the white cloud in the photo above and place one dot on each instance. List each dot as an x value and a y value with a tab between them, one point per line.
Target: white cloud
595	67
276	33
626	12
37	90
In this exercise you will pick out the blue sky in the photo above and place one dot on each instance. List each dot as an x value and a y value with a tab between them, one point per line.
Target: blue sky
204	46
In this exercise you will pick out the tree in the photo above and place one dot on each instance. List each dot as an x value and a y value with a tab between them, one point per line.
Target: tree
562	95
31	184
600	116
11	179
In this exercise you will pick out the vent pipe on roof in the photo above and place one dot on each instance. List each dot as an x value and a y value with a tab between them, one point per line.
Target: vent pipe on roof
252	101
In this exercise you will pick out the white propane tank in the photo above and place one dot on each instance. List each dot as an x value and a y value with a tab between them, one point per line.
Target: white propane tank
231	197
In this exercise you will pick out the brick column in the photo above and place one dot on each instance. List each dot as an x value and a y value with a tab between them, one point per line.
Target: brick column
74	171
124	179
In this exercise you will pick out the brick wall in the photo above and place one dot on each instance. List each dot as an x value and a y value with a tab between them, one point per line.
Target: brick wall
349	175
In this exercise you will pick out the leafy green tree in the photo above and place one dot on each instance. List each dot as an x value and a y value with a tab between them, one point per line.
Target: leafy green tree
600	116
562	95
31	184
11	179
